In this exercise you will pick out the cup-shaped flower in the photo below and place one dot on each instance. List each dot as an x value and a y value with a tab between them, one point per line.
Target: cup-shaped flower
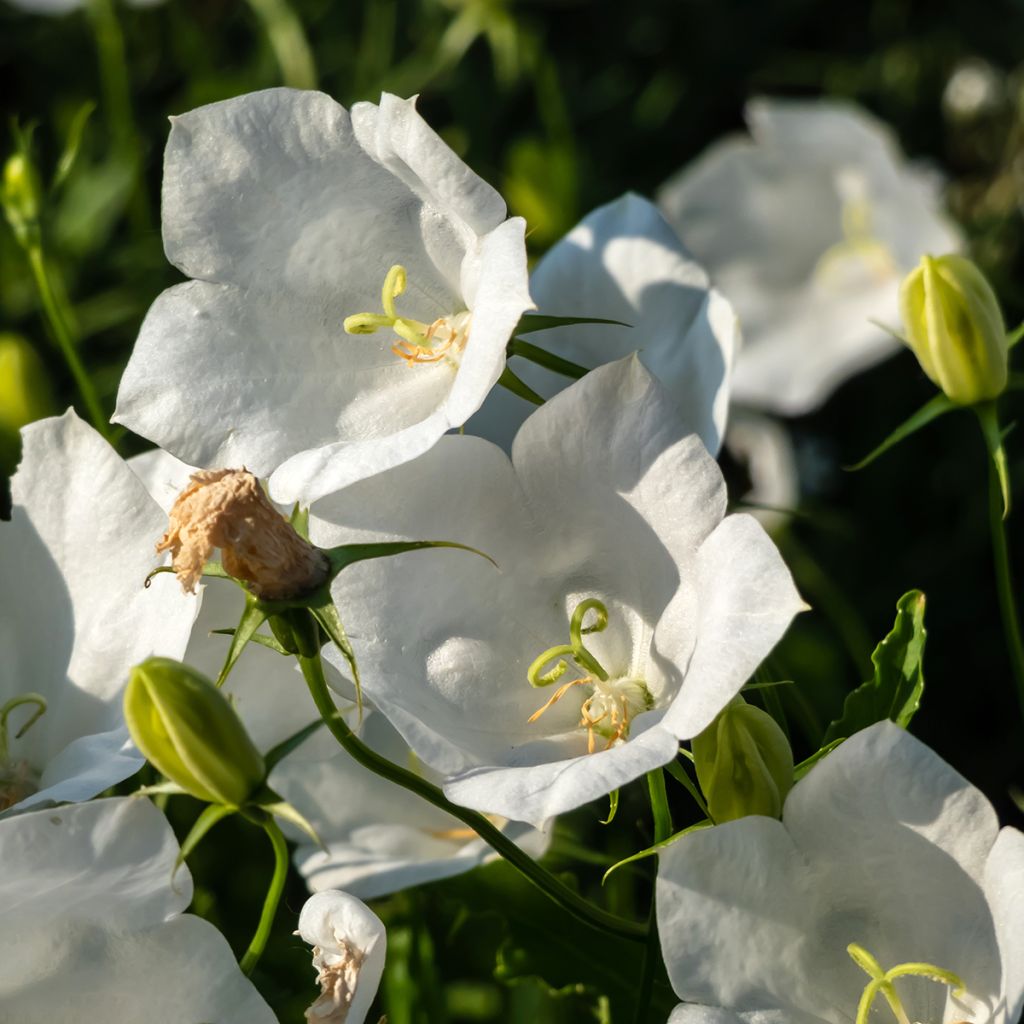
94	928
886	864
955	327
608	526
349	944
624	262
355	285
807	227
188	729
75	614
744	763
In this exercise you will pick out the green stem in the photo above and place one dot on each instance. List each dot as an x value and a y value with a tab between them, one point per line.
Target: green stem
62	332
662	830
571	902
1004	581
273	898
288	41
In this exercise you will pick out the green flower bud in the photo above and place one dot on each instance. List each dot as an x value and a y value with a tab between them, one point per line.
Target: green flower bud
955	327
187	728
25	395
21	197
744	764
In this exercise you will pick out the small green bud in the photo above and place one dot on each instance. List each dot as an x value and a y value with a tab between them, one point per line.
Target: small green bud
21	197
955	328
187	728
25	395
744	764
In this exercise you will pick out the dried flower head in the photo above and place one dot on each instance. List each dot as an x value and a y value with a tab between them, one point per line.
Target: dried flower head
228	509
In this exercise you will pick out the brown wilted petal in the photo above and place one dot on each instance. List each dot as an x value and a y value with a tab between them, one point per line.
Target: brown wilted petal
228	509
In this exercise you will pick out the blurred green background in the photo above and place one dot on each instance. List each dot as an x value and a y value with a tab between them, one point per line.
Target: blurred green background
563	105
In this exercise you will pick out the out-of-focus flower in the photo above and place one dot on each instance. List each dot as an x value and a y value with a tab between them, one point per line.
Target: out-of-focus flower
624	262
974	88
762	446
25	394
610	534
355	288
807	227
94	928
886	864
75	615
955	327
56	7
349	943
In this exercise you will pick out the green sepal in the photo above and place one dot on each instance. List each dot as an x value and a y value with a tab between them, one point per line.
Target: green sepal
299	520
542	357
253	616
209	817
800	770
613	806
212	570
278	753
656	847
679	773
269	802
931	410
330	622
988	417
511	382
1014	336
167	788
257	638
895	691
530	322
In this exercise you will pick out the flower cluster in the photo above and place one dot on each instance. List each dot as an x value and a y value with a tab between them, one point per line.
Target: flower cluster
497	625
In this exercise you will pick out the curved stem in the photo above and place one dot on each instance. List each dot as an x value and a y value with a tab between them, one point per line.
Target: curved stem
259	940
1004	581
312	670
62	332
662	830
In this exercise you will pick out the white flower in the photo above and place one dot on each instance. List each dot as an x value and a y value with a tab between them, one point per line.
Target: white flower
94	929
379	838
807	227
882	845
608	505
294	218
75	615
349	944
623	262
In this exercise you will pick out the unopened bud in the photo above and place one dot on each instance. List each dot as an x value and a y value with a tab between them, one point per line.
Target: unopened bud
189	731
744	764
25	394
20	197
228	509
954	325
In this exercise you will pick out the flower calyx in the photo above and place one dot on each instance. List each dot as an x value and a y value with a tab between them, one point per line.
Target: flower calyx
613	701
417	343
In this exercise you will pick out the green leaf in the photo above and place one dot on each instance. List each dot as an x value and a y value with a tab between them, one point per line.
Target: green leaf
511	382
895	691
542	357
330	621
209	817
253	617
531	322
988	417
613	806
931	410
73	145
257	638
657	847
278	753
1014	337
800	770
348	554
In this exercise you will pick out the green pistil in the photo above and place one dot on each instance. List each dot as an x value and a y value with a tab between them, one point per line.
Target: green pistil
882	982
412	331
5	713
575	649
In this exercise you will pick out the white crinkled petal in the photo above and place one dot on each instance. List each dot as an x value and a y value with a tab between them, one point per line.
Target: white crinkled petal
81	540
349	949
746	600
623	262
1004	889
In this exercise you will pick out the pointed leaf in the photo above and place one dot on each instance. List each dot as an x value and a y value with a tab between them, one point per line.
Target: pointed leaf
800	770
613	806
656	848
511	382
542	357
253	616
284	810
531	322
348	554
257	638
209	817
988	417
278	753
330	621
680	774
931	410
895	691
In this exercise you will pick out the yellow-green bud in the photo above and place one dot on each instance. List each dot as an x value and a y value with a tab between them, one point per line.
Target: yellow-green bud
955	327
21	197
744	764
187	728
25	395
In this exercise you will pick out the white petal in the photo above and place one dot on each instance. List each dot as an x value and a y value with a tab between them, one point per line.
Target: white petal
165	476
1004	889
746	600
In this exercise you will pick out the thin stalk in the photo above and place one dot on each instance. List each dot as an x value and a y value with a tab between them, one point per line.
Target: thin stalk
571	902
288	41
1004	581
662	830
62	332
273	898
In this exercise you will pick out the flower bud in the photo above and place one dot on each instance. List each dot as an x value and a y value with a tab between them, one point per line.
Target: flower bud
955	327
187	728
744	764
25	394
20	197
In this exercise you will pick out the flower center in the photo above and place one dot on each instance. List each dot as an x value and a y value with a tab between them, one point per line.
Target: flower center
881	982
861	253
417	342
613	702
17	779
